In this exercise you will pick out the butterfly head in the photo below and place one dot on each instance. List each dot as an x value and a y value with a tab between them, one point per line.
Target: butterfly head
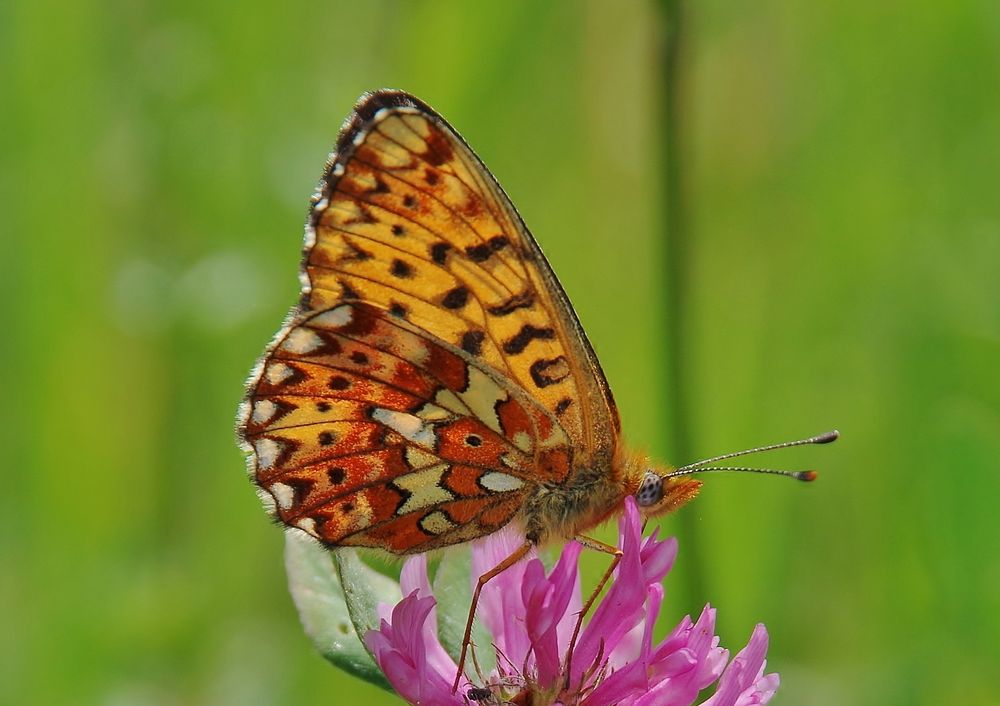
658	493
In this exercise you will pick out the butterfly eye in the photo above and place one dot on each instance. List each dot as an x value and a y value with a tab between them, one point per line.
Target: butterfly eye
650	490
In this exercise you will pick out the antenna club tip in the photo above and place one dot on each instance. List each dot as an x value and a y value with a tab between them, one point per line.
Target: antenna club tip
806	475
828	437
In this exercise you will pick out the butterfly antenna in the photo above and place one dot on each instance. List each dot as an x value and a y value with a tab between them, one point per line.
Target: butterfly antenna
704	467
797	475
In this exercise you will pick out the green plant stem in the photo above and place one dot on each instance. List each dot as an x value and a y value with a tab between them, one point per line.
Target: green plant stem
676	252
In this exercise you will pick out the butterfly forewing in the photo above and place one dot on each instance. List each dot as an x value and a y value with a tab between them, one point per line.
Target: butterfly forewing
434	373
410	220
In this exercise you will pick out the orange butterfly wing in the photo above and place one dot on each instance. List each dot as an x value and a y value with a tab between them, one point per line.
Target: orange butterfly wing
366	431
410	233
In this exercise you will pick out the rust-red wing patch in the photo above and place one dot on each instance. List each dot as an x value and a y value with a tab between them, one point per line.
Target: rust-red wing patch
369	431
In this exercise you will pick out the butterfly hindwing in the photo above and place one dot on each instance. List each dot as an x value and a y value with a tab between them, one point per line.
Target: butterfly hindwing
367	431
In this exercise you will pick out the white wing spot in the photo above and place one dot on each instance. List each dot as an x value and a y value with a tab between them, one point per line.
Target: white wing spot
277	373
267	451
412	428
307	524
283	494
263	410
301	341
500	482
334	318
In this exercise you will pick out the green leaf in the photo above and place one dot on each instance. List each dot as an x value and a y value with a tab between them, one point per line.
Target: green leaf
364	589
453	590
331	619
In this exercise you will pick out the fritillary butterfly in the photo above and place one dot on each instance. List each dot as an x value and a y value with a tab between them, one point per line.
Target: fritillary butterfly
434	384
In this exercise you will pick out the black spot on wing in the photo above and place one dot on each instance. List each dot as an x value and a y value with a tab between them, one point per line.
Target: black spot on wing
518	301
527	334
456	298
478	253
326	438
401	269
301	488
347	291
339	382
498	242
472	342
549	372
483	251
439	252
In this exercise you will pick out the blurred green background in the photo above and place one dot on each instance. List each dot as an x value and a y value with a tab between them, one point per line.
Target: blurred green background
833	263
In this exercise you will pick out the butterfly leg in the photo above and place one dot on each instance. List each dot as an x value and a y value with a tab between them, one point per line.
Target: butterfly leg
616	556
515	557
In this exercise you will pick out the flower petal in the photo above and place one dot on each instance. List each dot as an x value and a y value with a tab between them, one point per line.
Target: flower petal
743	683
685	663
630	678
531	615
501	607
400	648
546	600
413	577
622	607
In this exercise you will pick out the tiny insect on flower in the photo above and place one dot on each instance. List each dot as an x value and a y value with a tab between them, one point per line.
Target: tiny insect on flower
530	615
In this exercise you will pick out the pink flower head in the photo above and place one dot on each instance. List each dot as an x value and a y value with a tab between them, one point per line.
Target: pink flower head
530	615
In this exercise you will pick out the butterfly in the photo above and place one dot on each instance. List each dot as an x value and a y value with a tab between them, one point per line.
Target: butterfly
434	384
